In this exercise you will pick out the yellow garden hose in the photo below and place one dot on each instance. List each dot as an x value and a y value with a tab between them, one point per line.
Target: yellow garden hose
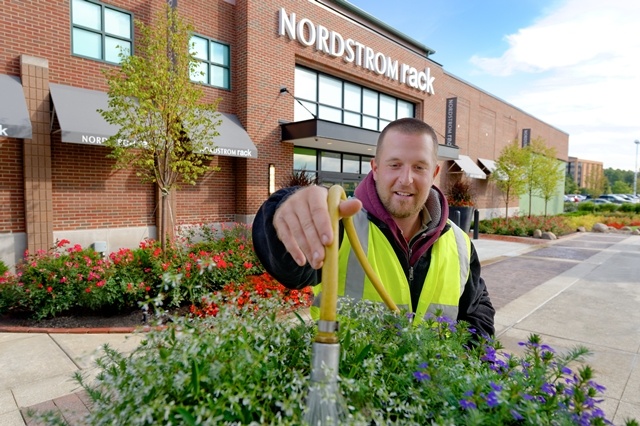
329	299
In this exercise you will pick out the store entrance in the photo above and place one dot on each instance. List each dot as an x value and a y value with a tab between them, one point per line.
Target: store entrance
349	181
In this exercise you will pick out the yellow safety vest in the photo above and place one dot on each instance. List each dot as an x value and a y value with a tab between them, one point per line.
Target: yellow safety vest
443	286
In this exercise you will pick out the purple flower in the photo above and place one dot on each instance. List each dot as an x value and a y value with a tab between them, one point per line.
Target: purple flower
467	404
492	399
421	375
516	415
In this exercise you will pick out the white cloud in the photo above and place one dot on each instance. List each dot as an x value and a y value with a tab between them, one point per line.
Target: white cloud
582	63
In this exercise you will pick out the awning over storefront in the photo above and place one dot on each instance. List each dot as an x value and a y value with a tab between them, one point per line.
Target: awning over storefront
489	165
14	115
330	136
78	116
469	168
80	122
233	139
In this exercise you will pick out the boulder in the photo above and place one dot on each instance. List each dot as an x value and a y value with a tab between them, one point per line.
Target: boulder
537	233
549	236
600	227
581	229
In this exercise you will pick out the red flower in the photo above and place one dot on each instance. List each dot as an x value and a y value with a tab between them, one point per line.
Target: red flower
49	289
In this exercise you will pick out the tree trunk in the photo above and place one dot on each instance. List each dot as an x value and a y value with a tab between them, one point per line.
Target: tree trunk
166	223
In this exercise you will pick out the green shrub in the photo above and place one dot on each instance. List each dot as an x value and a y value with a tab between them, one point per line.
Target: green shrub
250	367
524	226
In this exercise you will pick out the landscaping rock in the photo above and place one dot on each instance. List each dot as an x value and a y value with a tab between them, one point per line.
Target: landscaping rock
549	236
537	233
581	229
600	227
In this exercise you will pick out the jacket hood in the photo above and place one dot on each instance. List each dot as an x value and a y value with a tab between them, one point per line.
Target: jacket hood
436	206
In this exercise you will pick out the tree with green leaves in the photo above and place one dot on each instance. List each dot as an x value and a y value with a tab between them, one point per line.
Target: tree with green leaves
570	185
595	185
543	173
509	175
164	128
549	182
620	187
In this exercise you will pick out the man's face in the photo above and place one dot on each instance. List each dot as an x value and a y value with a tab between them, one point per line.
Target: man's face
404	170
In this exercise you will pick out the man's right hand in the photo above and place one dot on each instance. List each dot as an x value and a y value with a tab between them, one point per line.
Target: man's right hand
303	224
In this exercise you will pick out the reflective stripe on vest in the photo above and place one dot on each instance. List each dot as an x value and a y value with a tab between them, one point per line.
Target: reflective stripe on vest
444	283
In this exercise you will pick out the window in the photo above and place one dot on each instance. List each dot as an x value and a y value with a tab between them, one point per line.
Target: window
332	99
100	31
214	66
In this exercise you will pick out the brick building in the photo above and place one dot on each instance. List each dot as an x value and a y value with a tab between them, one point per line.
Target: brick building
586	173
304	84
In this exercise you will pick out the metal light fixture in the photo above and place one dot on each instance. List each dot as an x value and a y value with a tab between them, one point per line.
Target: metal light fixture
272	178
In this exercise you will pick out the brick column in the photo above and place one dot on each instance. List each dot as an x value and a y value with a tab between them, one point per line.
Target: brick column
37	154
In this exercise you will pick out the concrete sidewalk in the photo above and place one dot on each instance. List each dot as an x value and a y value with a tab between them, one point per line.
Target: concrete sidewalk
583	289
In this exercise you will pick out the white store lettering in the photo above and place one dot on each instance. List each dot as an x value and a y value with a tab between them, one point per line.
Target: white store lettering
3	130
334	44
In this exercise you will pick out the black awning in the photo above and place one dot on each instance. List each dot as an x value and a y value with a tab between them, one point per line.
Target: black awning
14	115
328	135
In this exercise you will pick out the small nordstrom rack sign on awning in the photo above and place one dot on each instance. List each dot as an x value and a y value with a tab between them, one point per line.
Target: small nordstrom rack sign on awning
80	122
14	115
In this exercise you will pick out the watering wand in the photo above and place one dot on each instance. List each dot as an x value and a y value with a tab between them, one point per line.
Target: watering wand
324	402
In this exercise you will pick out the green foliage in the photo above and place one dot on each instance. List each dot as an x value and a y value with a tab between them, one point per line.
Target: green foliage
248	366
570	185
163	128
70	279
3	268
617	175
524	226
509	175
620	187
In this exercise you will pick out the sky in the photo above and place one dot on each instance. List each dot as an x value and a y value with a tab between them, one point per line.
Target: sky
574	64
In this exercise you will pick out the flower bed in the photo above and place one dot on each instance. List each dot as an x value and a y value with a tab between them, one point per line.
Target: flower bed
248	366
70	279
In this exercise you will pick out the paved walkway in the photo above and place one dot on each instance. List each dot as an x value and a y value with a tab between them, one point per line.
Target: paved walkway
579	290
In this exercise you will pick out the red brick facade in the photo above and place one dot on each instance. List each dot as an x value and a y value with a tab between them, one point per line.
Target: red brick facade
77	189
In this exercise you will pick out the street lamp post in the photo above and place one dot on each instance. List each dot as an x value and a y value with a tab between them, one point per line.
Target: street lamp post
635	171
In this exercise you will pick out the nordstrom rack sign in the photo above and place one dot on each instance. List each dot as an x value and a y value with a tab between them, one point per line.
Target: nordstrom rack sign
352	51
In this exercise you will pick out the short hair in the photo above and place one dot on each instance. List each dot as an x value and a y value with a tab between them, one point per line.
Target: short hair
409	125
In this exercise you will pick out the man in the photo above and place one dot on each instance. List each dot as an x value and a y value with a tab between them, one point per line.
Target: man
425	262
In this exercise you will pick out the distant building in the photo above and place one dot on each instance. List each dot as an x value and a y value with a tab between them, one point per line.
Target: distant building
585	173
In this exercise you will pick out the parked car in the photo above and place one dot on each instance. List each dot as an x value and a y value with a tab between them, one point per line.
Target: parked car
597	201
613	198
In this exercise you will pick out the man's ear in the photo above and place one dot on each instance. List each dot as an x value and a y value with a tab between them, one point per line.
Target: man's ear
436	171
374	168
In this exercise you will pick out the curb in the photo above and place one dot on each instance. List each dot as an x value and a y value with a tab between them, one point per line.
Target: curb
79	330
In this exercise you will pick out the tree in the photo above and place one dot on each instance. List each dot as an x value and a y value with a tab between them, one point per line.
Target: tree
509	174
570	185
550	180
595	184
620	187
538	169
163	126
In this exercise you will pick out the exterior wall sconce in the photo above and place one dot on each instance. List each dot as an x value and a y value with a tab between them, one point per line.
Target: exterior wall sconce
272	178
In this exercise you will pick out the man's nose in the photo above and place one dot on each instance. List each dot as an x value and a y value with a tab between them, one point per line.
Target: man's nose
406	176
